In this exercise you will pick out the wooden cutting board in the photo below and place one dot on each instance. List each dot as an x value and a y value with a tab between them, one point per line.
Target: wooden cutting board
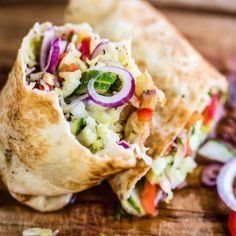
210	5
195	210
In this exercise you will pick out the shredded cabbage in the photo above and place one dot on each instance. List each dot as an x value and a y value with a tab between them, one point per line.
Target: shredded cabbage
71	82
94	126
171	171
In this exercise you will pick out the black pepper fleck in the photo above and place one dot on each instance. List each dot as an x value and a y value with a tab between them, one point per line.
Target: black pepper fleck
8	155
69	119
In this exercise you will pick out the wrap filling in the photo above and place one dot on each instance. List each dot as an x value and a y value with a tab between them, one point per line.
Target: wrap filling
170	170
98	84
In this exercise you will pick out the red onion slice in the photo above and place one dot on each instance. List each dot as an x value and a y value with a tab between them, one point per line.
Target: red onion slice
160	196
53	57
182	185
49	35
124	144
99	48
80	99
121	97
225	181
210	173
74	199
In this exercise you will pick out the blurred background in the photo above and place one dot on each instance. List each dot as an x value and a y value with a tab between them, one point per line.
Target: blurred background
210	25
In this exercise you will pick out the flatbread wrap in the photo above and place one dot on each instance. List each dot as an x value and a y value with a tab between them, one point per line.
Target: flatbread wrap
75	110
193	88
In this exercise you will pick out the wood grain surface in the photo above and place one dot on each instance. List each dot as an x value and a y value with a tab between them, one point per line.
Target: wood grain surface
195	210
212	5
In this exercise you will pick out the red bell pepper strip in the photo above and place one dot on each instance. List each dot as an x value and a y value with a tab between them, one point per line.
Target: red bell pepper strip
145	114
50	87
210	111
40	87
188	151
148	198
232	223
85	48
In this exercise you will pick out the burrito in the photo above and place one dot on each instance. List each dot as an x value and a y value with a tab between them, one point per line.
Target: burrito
194	92
75	110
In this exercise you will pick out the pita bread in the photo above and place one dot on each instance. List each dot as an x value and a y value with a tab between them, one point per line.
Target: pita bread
176	68
41	161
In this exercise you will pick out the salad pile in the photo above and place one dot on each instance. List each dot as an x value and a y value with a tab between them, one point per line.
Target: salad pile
169	171
97	82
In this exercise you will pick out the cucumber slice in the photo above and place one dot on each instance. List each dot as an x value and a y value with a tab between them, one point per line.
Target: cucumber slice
104	82
217	151
97	146
77	126
86	76
87	136
120	212
134	204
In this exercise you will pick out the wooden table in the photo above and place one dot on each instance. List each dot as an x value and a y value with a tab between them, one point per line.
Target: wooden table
195	210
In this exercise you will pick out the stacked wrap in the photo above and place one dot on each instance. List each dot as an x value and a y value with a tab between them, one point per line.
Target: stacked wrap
176	68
